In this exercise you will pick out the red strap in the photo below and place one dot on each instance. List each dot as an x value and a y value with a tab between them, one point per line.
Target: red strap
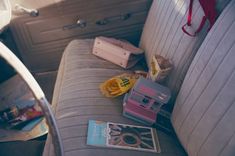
198	30
185	31
203	21
210	13
189	20
190	12
208	7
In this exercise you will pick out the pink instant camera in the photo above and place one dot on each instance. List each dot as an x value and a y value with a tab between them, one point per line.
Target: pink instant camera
145	100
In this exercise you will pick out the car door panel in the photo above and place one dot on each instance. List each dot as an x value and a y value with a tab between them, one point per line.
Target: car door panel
41	40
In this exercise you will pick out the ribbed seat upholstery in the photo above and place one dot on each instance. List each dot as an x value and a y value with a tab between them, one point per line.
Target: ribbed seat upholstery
77	99
204	106
162	35
204	113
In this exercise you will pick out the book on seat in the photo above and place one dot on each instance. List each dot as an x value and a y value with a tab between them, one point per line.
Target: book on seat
122	136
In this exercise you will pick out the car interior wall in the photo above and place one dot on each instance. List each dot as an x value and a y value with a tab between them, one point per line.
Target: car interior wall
41	40
46	80
6	71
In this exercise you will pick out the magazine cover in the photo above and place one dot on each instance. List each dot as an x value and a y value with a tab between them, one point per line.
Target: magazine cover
123	136
132	137
96	133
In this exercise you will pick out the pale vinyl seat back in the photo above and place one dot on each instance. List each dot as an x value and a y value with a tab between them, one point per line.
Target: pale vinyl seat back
162	35
204	113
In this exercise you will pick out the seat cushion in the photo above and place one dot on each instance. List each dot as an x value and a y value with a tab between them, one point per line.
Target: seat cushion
77	99
163	35
204	113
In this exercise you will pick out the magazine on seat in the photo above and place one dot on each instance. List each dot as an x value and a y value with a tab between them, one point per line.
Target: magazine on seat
122	136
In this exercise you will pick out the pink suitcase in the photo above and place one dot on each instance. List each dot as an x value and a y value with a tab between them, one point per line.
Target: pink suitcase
118	52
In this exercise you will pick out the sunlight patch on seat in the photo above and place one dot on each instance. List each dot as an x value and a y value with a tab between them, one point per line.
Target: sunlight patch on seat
180	6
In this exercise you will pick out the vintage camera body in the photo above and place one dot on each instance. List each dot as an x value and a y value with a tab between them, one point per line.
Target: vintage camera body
144	101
